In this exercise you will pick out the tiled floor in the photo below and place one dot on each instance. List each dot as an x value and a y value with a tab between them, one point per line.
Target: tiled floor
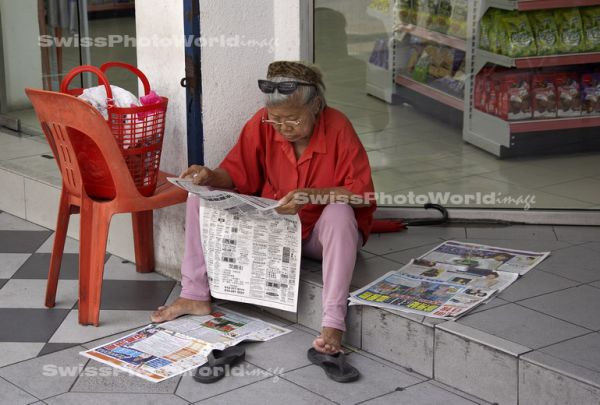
551	311
28	328
39	360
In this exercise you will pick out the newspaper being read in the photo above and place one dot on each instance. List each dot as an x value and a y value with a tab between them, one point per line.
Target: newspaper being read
449	280
252	253
160	351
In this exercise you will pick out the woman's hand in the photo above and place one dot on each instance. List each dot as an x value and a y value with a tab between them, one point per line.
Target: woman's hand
200	175
293	202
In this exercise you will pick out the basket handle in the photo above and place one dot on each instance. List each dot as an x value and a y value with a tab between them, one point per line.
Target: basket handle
64	85
104	67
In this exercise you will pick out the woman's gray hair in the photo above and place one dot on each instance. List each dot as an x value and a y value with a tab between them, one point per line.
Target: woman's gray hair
303	94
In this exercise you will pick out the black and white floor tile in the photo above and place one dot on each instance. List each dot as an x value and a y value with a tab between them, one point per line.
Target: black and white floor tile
29	329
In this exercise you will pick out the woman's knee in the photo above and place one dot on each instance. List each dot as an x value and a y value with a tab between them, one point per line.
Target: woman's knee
339	215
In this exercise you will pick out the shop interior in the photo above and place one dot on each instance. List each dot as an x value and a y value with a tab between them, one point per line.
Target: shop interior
400	70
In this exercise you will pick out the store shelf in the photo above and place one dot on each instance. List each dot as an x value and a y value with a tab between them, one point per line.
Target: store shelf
429	35
483	57
526	5
430	92
554	124
92	8
496	135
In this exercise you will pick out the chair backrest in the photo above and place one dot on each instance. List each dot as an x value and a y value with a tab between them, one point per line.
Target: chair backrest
67	122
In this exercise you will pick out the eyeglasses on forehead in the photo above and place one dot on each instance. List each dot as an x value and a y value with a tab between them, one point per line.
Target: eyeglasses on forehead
288	87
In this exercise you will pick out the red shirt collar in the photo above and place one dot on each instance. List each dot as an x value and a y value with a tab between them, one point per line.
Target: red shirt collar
317	143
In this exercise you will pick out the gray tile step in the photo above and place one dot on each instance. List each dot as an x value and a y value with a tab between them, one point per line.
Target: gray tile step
464	357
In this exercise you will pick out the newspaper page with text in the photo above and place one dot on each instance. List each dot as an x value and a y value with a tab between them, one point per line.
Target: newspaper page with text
252	253
438	291
158	352
449	280
475	257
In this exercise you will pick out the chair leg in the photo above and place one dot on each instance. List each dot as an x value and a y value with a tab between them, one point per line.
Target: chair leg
143	240
94	224
62	223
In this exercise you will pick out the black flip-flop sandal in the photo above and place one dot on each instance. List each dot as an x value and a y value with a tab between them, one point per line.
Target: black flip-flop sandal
335	366
214	369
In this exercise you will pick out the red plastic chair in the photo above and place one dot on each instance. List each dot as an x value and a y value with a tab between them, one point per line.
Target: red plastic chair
64	118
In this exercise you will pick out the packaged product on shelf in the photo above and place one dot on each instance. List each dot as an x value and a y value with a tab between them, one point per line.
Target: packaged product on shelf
590	17
484	32
441	19
516	38
479	93
382	6
568	94
426	11
543	91
380	53
514	98
492	88
570	30
457	26
545	30
496	33
459	59
485	92
406	12
442	63
413	57
487	87
421	71
457	85
590	94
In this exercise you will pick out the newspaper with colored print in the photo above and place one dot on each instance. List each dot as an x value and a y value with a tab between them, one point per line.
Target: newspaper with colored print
158	352
449	280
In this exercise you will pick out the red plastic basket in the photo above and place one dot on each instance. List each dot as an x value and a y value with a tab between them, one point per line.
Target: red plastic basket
139	132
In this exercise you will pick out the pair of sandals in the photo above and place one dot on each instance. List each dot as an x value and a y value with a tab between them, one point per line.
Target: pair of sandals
335	366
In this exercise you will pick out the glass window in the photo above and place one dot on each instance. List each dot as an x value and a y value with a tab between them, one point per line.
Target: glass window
469	106
65	34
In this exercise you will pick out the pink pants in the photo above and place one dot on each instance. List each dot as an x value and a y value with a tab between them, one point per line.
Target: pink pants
335	239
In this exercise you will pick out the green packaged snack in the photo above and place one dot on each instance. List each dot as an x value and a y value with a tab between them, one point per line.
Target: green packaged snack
457	26
590	17
515	35
406	12
496	33
545	30
570	30
484	32
421	71
441	20
426	11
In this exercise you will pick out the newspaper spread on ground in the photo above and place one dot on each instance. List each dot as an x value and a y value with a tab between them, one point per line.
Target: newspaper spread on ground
475	257
158	352
252	253
449	280
438	291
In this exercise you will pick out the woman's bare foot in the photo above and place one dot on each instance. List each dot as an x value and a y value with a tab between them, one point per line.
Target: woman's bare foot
181	306
329	342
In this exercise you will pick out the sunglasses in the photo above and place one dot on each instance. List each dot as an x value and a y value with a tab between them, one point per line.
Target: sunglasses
268	87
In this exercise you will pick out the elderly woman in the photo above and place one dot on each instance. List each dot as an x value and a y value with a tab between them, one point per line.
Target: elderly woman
295	147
